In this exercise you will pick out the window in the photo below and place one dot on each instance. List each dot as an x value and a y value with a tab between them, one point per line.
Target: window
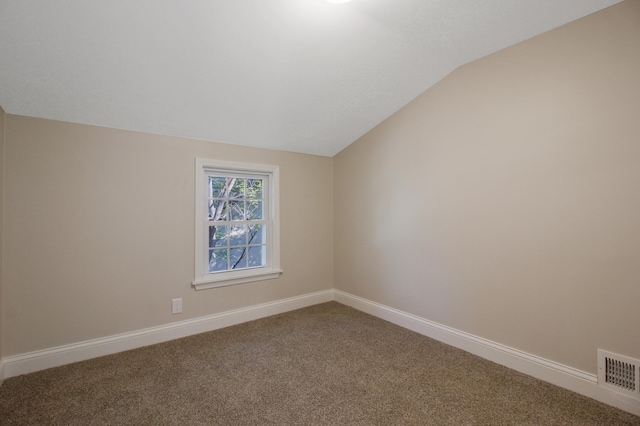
237	226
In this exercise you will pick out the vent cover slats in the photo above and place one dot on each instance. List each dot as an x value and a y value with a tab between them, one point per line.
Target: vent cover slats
619	373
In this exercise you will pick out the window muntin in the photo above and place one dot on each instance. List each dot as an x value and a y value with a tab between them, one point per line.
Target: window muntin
237	223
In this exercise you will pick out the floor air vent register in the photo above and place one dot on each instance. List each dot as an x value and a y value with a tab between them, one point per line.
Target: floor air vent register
619	373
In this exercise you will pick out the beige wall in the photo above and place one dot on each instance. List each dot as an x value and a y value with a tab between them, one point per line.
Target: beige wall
2	118
100	231
505	200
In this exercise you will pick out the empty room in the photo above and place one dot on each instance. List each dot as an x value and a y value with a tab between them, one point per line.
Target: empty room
299	212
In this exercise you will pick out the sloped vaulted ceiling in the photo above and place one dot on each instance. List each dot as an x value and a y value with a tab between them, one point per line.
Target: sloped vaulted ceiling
297	75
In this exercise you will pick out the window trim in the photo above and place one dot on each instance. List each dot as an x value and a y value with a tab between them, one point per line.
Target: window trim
221	279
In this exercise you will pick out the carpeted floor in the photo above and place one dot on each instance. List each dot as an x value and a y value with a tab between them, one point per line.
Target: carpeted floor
327	364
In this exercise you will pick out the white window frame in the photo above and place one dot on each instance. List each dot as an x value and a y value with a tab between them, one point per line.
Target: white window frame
204	279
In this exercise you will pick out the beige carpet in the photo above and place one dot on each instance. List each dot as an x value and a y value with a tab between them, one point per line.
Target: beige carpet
327	364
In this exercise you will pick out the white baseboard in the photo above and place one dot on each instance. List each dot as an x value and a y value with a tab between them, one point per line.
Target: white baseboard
61	355
558	374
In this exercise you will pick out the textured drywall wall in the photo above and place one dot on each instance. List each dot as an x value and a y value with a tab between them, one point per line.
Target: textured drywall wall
504	201
100	231
2	118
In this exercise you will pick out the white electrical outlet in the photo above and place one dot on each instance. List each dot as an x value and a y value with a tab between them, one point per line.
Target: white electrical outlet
176	306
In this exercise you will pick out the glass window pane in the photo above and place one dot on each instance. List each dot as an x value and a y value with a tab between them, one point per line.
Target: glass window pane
254	188
236	208
238	235
254	210
238	258
217	210
218	236
218	260
237	190
257	234
236	220
256	256
217	186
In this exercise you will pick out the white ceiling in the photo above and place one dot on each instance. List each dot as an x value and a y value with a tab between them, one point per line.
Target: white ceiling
296	75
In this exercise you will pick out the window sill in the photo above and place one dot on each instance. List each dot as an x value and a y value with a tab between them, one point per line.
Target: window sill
236	277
